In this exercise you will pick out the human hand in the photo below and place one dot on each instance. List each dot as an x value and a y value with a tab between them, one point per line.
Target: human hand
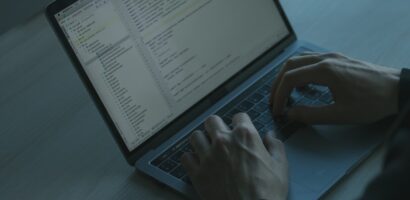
236	164
362	92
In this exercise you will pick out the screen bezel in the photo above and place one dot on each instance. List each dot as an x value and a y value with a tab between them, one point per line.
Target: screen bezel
178	123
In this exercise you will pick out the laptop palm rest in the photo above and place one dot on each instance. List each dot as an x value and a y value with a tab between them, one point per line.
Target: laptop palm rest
319	156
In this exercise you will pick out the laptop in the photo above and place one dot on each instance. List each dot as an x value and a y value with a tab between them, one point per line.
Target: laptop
157	69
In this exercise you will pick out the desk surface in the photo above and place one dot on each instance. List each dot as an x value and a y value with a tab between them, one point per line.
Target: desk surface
45	111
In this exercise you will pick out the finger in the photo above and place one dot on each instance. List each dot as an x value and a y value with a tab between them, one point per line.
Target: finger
214	125
190	162
244	132
306	53
331	55
200	144
304	60
315	114
242	119
269	143
221	149
291	64
312	74
274	146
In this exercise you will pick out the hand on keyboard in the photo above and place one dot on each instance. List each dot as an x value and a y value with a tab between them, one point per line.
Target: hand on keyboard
362	92
236	164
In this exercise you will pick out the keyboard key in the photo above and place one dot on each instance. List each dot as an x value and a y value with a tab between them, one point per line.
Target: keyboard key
164	156
200	128
265	118
258	125
295	95
318	103
261	107
322	89
187	148
181	143
311	92
272	76
168	165
266	100
245	106
263	132
271	127
233	112
177	156
178	172
326	98
304	101
255	98
226	119
253	114
265	90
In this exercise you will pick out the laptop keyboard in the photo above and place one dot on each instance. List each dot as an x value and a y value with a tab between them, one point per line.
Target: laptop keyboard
255	102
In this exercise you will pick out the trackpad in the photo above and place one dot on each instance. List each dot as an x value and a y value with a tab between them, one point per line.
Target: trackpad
319	156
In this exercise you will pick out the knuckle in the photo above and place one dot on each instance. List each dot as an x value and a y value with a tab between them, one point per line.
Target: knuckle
244	131
326	62
338	55
287	76
193	137
325	65
333	55
240	115
210	119
291	61
221	141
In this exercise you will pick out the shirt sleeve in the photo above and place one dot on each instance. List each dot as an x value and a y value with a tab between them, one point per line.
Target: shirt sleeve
394	180
404	88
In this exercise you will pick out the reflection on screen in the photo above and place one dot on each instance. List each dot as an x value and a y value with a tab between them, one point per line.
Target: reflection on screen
151	60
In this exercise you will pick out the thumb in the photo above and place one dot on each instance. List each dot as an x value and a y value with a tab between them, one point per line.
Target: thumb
274	146
314	114
269	142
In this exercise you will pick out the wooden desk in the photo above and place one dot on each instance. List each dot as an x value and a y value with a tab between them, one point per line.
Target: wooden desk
54	144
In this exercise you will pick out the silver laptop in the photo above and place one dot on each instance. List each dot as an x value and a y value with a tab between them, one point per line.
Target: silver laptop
157	69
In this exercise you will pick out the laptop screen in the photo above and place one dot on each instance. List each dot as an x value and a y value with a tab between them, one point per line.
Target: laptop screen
151	60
